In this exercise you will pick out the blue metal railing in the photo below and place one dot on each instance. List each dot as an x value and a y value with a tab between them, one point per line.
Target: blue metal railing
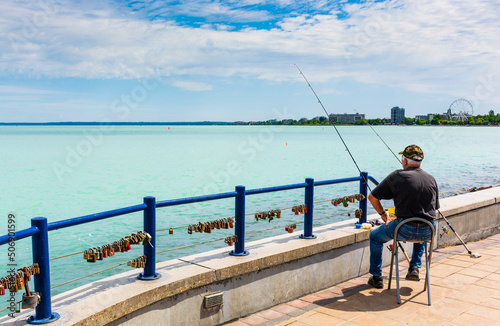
40	242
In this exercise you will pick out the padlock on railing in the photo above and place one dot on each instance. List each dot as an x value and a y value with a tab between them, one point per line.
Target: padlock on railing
30	302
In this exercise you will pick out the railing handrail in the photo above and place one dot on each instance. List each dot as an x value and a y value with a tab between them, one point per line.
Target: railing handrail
196	199
21	234
40	228
95	217
373	180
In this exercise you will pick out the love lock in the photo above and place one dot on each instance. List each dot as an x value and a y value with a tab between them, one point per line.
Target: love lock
30	302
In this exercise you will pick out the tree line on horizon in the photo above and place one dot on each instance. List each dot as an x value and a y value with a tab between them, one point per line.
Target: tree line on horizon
478	120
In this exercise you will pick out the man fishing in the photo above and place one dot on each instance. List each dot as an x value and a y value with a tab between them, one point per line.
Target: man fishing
415	194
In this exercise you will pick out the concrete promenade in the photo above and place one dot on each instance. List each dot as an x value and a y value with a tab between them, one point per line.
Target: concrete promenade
464	291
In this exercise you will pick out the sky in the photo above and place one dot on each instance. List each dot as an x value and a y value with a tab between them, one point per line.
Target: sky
203	60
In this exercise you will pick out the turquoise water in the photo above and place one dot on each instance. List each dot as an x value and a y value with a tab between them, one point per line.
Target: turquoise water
61	172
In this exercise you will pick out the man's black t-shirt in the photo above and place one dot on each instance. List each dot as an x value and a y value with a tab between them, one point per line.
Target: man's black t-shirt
414	191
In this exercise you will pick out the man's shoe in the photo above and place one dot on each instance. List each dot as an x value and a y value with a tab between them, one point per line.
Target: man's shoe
376	282
413	274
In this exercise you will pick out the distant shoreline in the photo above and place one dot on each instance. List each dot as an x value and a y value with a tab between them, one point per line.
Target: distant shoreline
90	123
200	123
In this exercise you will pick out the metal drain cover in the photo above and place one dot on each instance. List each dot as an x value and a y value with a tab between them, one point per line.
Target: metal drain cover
213	299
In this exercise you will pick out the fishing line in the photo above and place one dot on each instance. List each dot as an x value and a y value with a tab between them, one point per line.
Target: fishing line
342	139
472	254
397	158
347	148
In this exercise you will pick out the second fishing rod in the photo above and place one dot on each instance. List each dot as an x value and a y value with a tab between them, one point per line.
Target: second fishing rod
346	147
472	254
338	133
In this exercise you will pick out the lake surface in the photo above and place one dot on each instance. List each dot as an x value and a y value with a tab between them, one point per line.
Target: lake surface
61	172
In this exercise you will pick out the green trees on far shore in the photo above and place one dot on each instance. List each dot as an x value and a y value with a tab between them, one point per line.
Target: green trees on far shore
479	120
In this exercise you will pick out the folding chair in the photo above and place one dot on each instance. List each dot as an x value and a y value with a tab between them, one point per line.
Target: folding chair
427	250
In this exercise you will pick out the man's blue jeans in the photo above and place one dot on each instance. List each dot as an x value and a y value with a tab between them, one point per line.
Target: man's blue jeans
385	233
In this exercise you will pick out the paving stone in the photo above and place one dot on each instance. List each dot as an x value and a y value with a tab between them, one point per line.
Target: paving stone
372	320
488	268
493	277
472	271
489	284
237	323
482	311
491	262
450	308
340	311
468	319
270	314
299	303
284	308
472	293
459	263
322	319
491	303
312	298
398	312
254	320
419	319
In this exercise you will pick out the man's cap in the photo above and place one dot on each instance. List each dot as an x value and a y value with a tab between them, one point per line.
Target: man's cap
413	152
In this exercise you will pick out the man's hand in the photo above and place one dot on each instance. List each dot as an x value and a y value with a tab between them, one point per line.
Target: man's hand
385	217
378	207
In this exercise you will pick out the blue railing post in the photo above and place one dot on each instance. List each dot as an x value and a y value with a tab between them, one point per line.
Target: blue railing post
239	231
40	250
150	249
308	217
363	189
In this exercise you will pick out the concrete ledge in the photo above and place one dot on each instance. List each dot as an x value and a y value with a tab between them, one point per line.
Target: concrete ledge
277	270
474	216
470	201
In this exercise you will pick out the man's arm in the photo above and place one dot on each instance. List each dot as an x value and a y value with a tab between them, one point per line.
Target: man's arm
377	205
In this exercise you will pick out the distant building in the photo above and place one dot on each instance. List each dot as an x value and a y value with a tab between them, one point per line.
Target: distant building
429	116
397	115
303	120
447	115
346	118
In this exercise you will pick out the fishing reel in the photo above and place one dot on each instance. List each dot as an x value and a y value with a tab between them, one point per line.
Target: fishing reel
445	231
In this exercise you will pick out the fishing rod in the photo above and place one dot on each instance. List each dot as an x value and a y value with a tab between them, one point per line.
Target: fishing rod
472	254
338	133
345	145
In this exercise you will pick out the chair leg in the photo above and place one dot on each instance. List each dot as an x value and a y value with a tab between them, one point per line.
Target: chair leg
392	264
395	248
427	285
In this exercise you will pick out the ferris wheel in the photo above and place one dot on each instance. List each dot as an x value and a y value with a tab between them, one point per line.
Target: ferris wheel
460	109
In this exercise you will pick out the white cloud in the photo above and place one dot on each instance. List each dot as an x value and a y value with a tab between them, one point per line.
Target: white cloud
425	46
192	86
9	89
